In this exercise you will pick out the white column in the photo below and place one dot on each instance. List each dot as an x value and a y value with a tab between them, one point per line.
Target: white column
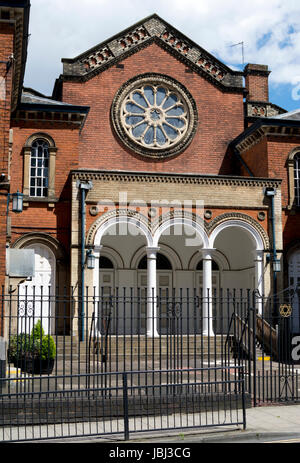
207	292
151	292
96	284
259	277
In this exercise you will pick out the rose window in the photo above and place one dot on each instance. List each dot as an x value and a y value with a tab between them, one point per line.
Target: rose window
154	116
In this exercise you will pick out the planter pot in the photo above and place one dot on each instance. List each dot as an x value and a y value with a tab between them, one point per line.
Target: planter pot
37	366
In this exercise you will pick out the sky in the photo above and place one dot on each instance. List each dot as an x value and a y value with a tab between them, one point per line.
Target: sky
237	32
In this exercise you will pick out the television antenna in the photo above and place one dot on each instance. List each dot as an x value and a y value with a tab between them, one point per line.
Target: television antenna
242	48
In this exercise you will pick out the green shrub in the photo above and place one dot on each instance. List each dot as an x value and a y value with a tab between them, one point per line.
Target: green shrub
48	349
18	344
37	345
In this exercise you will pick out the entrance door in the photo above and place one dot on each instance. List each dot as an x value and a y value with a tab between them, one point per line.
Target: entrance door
107	316
36	296
294	282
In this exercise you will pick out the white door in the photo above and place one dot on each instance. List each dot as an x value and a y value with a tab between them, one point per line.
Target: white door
294	282
108	319
36	297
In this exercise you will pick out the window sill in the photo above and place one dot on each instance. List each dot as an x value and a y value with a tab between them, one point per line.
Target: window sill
29	199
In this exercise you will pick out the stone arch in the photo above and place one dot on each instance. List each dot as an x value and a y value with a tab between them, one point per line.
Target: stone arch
117	217
219	257
180	218
61	258
164	249
113	255
254	229
43	135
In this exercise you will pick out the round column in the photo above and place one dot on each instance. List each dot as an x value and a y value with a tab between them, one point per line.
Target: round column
259	278
207	327
151	292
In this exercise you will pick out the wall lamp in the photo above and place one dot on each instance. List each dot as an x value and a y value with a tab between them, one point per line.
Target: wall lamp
90	259
17	201
276	265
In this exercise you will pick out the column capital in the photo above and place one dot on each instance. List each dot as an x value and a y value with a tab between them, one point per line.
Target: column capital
206	252
258	255
152	251
97	249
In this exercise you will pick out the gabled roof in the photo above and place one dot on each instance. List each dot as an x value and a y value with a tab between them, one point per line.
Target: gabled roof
149	30
291	115
282	125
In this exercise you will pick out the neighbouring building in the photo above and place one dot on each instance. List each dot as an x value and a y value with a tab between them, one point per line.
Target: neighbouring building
155	161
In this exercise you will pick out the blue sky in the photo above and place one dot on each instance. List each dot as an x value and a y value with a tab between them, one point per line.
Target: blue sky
269	31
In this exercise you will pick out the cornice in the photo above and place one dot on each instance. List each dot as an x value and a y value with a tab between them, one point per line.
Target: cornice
145	177
263	128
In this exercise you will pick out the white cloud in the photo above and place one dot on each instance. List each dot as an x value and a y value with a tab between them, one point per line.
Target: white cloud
60	31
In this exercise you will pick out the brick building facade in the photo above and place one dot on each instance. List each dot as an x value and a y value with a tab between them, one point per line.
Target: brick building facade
167	166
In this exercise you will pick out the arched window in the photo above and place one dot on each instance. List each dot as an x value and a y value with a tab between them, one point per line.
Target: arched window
214	265
39	168
162	263
293	174
105	262
297	179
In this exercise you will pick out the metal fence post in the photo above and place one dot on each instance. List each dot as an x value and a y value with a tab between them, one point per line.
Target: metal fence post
125	406
254	349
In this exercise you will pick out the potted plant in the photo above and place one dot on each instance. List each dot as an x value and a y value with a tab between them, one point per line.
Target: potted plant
18	344
40	353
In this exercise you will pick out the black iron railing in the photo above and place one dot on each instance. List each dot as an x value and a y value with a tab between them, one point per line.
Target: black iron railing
132	403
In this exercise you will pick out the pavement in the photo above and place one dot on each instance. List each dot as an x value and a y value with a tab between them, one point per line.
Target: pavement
264	424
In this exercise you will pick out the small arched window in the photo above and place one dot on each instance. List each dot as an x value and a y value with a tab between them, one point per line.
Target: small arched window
39	168
297	179
214	265
105	262
162	262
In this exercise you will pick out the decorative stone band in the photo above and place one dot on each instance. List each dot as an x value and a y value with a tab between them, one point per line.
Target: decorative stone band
262	109
138	36
142	177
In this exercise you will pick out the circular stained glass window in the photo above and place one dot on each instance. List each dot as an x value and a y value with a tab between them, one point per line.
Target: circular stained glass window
154	115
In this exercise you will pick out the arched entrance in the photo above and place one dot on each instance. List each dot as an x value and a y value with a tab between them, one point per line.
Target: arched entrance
36	297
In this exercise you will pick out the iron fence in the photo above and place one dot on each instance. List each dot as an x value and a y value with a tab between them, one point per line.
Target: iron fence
75	334
135	401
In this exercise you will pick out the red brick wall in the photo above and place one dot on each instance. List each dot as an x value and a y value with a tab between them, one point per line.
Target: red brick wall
220	118
257	87
38	216
256	159
6	48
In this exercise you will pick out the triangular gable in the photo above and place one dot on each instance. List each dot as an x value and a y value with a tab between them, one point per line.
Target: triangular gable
153	28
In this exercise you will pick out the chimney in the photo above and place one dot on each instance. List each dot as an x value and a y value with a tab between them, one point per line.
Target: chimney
256	81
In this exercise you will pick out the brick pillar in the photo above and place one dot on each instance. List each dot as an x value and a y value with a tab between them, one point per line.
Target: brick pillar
256	82
7	34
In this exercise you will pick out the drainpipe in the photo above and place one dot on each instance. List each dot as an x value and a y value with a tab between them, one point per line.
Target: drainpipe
84	188
271	192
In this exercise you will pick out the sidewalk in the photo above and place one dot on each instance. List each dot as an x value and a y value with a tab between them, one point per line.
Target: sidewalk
262	423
